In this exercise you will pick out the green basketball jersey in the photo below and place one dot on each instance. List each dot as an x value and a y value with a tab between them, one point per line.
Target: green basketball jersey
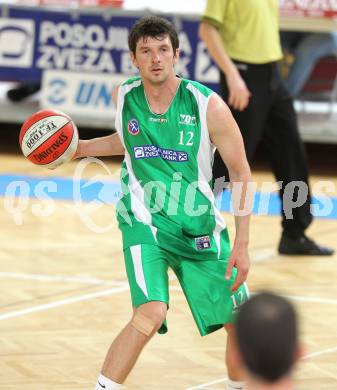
167	173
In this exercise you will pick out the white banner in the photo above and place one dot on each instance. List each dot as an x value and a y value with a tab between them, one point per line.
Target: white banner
81	94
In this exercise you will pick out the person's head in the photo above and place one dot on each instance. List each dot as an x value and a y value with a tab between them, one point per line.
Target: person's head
266	331
154	47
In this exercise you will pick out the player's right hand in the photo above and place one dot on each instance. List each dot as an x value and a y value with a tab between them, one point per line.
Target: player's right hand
238	92
78	150
239	259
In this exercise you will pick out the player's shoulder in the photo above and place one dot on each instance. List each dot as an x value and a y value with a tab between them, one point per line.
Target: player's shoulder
131	80
126	87
129	84
195	85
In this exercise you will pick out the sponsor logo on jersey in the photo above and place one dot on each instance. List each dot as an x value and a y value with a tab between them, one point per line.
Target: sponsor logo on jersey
203	242
152	151
189	120
158	120
133	127
139	152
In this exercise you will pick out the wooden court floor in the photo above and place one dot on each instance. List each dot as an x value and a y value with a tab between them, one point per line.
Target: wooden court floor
64	297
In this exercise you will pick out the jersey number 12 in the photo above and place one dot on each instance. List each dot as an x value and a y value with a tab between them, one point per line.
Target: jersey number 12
189	138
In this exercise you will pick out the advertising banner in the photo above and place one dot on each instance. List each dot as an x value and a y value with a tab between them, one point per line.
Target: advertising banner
309	8
34	40
81	94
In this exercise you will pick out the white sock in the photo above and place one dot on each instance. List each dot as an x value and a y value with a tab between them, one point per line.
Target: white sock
104	383
235	385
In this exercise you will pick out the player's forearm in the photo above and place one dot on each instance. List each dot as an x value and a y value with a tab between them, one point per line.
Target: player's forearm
102	146
212	39
242	200
242	230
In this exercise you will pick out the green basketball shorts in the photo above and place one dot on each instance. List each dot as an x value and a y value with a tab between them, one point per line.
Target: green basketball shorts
203	282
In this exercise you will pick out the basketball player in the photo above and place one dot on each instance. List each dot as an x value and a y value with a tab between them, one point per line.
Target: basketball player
267	342
168	128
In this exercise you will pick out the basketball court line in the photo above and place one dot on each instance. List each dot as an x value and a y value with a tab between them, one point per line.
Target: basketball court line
263	255
59	278
65	278
323	352
123	288
31	246
323	301
96	281
123	283
62	302
202	386
222	380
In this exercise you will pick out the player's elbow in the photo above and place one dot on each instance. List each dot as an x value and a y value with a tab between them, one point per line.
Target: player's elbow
118	149
121	151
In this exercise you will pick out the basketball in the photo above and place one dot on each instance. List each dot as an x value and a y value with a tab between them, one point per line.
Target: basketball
48	138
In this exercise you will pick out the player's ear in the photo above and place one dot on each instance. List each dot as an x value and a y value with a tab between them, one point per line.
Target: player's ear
133	59
300	352
176	56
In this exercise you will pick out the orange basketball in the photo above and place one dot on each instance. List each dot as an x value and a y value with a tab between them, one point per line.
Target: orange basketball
49	138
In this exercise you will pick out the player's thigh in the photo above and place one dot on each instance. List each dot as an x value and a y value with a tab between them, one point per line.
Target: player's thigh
146	268
209	294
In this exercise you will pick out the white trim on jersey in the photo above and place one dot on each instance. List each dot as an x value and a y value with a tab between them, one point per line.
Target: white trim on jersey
123	90
205	157
136	255
137	194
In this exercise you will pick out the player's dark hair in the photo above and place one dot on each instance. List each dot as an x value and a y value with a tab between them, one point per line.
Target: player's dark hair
267	336
154	27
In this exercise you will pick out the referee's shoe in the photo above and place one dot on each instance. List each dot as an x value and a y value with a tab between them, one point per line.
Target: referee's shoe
302	246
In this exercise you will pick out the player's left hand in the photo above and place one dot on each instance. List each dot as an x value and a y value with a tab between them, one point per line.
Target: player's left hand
239	259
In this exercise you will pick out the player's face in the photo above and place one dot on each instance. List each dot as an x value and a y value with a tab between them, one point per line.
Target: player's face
155	59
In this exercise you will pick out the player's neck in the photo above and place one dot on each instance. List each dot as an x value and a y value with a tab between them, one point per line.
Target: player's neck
160	96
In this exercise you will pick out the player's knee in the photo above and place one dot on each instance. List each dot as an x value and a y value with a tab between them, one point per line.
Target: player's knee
229	328
148	318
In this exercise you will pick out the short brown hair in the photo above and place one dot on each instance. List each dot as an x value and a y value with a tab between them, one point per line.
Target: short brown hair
154	27
267	336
